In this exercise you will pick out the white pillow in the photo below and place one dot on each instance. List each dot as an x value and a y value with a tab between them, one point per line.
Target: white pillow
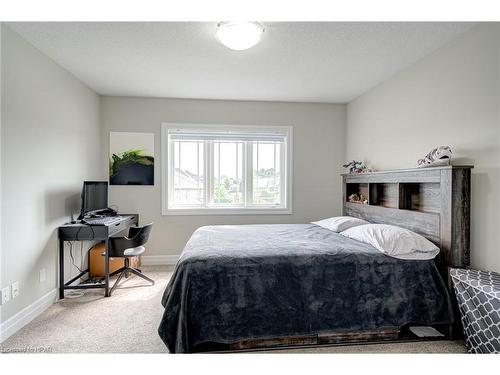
340	223
394	241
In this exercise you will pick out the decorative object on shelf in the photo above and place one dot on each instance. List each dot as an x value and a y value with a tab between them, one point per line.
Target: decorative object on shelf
131	158
440	156
355	198
478	296
356	166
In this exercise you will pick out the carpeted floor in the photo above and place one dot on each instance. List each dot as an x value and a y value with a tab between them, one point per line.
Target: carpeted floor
128	321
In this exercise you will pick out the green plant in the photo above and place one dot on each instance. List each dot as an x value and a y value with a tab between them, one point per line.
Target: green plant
221	193
225	191
266	173
128	157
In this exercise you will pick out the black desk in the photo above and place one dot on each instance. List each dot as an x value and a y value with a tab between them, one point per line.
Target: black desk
83	232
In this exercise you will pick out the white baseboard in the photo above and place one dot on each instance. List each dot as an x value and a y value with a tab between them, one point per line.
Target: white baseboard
159	260
26	315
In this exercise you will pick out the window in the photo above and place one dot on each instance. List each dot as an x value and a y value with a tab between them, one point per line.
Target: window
227	169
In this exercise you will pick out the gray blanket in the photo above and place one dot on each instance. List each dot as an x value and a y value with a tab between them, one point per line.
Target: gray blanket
234	283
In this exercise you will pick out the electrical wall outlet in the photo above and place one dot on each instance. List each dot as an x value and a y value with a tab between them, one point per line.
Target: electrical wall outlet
15	289
43	275
5	292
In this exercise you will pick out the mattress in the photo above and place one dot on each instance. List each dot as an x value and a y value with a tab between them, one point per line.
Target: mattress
241	282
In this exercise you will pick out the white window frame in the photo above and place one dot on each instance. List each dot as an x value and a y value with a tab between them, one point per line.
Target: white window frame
167	173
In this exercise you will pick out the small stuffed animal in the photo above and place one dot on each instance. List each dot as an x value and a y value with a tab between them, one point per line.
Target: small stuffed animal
355	198
439	156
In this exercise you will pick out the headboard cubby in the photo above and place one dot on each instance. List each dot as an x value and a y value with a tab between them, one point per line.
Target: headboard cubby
434	202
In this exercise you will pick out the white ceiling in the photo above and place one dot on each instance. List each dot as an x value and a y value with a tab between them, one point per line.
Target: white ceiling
295	61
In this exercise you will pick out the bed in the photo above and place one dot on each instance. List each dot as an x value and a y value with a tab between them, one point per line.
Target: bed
250	286
233	283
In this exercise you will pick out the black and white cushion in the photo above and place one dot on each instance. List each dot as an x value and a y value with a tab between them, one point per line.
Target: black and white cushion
478	296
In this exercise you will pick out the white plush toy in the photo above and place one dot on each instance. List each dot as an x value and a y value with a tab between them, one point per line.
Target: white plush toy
437	157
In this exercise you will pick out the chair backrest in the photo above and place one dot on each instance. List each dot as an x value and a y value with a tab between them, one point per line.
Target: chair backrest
137	236
140	235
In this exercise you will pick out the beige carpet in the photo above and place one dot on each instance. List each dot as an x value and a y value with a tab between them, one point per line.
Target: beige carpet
128	321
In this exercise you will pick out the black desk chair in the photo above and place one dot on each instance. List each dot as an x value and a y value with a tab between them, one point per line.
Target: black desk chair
126	247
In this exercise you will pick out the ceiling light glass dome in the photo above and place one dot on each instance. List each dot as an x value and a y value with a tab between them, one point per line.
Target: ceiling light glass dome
239	36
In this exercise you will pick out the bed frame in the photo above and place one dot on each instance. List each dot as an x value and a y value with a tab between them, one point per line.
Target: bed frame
434	202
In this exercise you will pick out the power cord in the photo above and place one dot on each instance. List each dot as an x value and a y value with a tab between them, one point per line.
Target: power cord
74	293
72	257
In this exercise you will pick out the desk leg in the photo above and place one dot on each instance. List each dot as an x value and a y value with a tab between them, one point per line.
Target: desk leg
106	271
61	269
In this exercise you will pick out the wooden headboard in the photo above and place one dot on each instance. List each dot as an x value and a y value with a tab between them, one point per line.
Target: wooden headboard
434	202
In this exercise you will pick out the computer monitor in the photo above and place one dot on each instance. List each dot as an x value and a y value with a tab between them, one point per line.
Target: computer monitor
94	197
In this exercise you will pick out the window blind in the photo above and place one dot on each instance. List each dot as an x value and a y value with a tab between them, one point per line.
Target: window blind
194	135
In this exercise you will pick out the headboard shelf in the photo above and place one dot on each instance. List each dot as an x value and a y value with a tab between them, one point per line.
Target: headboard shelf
413	196
430	170
434	202
384	194
423	197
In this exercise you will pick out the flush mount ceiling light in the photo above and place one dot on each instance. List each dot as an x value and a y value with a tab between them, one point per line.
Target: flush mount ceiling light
239	35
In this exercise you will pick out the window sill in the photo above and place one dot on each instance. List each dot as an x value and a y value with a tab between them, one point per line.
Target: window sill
226	211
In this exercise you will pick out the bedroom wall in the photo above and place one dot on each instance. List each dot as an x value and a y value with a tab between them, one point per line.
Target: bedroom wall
50	143
319	140
451	97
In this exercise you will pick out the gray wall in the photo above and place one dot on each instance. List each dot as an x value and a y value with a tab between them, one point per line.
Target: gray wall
50	142
318	153
451	97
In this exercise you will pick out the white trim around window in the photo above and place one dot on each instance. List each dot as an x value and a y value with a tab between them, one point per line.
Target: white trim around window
209	135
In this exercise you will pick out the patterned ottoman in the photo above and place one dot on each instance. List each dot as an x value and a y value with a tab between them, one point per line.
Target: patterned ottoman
478	296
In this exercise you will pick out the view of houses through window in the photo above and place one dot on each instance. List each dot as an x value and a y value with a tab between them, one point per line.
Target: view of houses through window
189	176
228	173
220	173
266	173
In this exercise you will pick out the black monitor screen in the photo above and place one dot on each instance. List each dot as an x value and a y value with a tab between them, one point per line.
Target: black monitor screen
94	196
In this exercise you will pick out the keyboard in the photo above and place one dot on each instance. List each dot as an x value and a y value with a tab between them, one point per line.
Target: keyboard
101	220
